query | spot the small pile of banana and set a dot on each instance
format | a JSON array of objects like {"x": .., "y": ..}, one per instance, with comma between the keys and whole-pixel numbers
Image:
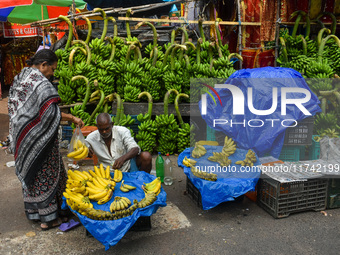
[
  {"x": 229, "y": 147},
  {"x": 188, "y": 162},
  {"x": 80, "y": 151},
  {"x": 249, "y": 160},
  {"x": 203, "y": 175},
  {"x": 125, "y": 187},
  {"x": 198, "y": 151},
  {"x": 331, "y": 133},
  {"x": 120, "y": 203},
  {"x": 101, "y": 172},
  {"x": 153, "y": 187},
  {"x": 221, "y": 158}
]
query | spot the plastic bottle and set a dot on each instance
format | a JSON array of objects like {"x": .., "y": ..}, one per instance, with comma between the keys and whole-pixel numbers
[
  {"x": 160, "y": 167},
  {"x": 168, "y": 174}
]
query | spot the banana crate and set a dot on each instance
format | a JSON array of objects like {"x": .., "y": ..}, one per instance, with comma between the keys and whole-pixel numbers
[
  {"x": 194, "y": 193},
  {"x": 301, "y": 134},
  {"x": 282, "y": 199}
]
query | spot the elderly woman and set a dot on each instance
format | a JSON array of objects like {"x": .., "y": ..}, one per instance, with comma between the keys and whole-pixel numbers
[{"x": 33, "y": 128}]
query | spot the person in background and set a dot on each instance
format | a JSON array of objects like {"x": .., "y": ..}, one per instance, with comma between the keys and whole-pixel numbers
[
  {"x": 33, "y": 131},
  {"x": 114, "y": 146}
]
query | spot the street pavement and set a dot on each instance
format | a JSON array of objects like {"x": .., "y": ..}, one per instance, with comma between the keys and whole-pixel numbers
[{"x": 179, "y": 228}]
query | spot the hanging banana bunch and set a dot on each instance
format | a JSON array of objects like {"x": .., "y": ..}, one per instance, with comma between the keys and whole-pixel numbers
[
  {"x": 123, "y": 120},
  {"x": 167, "y": 128},
  {"x": 147, "y": 129},
  {"x": 184, "y": 129}
]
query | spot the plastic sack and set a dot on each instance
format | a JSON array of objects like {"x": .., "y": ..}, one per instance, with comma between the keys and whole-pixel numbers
[
  {"x": 330, "y": 148},
  {"x": 78, "y": 149},
  {"x": 231, "y": 182},
  {"x": 110, "y": 232},
  {"x": 269, "y": 137}
]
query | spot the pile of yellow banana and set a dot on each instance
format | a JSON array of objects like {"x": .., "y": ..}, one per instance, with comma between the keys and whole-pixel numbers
[
  {"x": 153, "y": 187},
  {"x": 125, "y": 187},
  {"x": 229, "y": 147},
  {"x": 249, "y": 160},
  {"x": 203, "y": 175},
  {"x": 118, "y": 175},
  {"x": 198, "y": 151},
  {"x": 188, "y": 162},
  {"x": 149, "y": 198},
  {"x": 220, "y": 158},
  {"x": 80, "y": 151}
]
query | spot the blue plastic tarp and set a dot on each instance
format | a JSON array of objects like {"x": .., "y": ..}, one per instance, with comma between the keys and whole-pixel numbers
[
  {"x": 269, "y": 137},
  {"x": 110, "y": 232},
  {"x": 232, "y": 181}
]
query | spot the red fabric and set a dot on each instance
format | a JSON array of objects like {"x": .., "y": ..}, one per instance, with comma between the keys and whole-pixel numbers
[
  {"x": 252, "y": 14},
  {"x": 12, "y": 3}
]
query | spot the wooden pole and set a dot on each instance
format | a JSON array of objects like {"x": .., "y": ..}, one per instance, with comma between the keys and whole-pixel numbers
[
  {"x": 42, "y": 17},
  {"x": 277, "y": 31},
  {"x": 239, "y": 30}
]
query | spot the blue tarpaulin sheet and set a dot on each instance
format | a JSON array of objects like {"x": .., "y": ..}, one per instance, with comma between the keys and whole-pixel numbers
[
  {"x": 110, "y": 232},
  {"x": 269, "y": 137},
  {"x": 231, "y": 182}
]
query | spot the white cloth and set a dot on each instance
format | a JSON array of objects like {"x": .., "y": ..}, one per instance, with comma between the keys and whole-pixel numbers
[{"x": 122, "y": 142}]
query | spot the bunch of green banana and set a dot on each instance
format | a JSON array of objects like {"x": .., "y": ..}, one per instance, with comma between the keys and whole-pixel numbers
[
  {"x": 203, "y": 175},
  {"x": 249, "y": 160},
  {"x": 125, "y": 187},
  {"x": 66, "y": 89},
  {"x": 220, "y": 158},
  {"x": 198, "y": 151},
  {"x": 184, "y": 130},
  {"x": 167, "y": 129},
  {"x": 324, "y": 121}
]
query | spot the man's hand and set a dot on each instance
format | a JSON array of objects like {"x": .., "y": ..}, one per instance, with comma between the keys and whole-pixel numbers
[{"x": 119, "y": 162}]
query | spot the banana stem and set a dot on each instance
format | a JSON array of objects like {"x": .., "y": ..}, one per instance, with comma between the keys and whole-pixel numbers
[
  {"x": 320, "y": 34},
  {"x": 332, "y": 16},
  {"x": 296, "y": 24},
  {"x": 105, "y": 22},
  {"x": 128, "y": 55},
  {"x": 166, "y": 100},
  {"x": 284, "y": 49},
  {"x": 198, "y": 51},
  {"x": 167, "y": 52},
  {"x": 210, "y": 51},
  {"x": 182, "y": 47},
  {"x": 89, "y": 30},
  {"x": 115, "y": 28},
  {"x": 113, "y": 48},
  {"x": 89, "y": 55},
  {"x": 87, "y": 94},
  {"x": 153, "y": 30},
  {"x": 127, "y": 23},
  {"x": 73, "y": 51},
  {"x": 138, "y": 54},
  {"x": 173, "y": 36},
  {"x": 323, "y": 105},
  {"x": 179, "y": 116},
  {"x": 155, "y": 56},
  {"x": 235, "y": 55},
  {"x": 106, "y": 106},
  {"x": 200, "y": 26},
  {"x": 185, "y": 36},
  {"x": 70, "y": 30},
  {"x": 100, "y": 104},
  {"x": 304, "y": 46},
  {"x": 323, "y": 43},
  {"x": 150, "y": 104},
  {"x": 118, "y": 111},
  {"x": 218, "y": 34},
  {"x": 187, "y": 61}
]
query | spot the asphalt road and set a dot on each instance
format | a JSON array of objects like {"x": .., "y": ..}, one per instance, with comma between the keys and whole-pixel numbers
[{"x": 180, "y": 228}]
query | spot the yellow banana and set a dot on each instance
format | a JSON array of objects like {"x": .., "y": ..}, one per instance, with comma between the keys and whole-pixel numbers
[
  {"x": 89, "y": 176},
  {"x": 107, "y": 172},
  {"x": 93, "y": 186},
  {"x": 98, "y": 196},
  {"x": 82, "y": 155},
  {"x": 76, "y": 152},
  {"x": 96, "y": 170},
  {"x": 106, "y": 198},
  {"x": 102, "y": 171},
  {"x": 118, "y": 175},
  {"x": 97, "y": 183},
  {"x": 74, "y": 176}
]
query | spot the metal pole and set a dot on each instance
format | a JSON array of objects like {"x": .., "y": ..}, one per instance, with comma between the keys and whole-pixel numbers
[
  {"x": 277, "y": 30},
  {"x": 239, "y": 30}
]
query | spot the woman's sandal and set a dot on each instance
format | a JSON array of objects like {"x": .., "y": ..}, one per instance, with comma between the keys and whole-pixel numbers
[{"x": 53, "y": 223}]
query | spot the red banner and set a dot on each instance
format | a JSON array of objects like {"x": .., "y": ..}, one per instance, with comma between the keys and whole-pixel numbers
[{"x": 12, "y": 30}]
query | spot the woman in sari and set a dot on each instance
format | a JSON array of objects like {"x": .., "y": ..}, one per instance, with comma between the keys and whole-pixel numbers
[{"x": 33, "y": 128}]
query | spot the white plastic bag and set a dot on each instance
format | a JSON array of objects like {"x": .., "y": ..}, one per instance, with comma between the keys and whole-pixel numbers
[{"x": 78, "y": 149}]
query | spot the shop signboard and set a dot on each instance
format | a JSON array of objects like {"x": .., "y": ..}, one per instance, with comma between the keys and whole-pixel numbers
[{"x": 12, "y": 30}]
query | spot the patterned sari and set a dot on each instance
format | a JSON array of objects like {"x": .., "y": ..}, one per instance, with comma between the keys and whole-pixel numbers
[{"x": 34, "y": 121}]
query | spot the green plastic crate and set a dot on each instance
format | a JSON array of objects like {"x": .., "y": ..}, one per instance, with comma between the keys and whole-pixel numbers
[
  {"x": 210, "y": 134},
  {"x": 314, "y": 150},
  {"x": 291, "y": 153}
]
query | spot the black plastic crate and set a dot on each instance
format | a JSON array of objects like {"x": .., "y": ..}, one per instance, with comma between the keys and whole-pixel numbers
[
  {"x": 301, "y": 134},
  {"x": 142, "y": 224},
  {"x": 282, "y": 199},
  {"x": 194, "y": 193},
  {"x": 333, "y": 199}
]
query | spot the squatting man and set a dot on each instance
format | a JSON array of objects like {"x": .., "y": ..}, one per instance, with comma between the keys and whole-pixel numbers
[{"x": 114, "y": 146}]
